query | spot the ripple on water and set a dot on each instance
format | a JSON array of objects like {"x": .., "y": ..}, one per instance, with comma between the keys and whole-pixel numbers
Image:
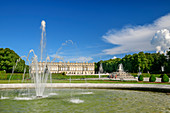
[
  {"x": 76, "y": 101},
  {"x": 53, "y": 94},
  {"x": 24, "y": 98},
  {"x": 86, "y": 93},
  {"x": 24, "y": 94},
  {"x": 71, "y": 100},
  {"x": 4, "y": 97}
]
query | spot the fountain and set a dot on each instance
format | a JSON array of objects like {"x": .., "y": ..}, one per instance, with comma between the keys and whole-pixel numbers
[
  {"x": 120, "y": 68},
  {"x": 139, "y": 73},
  {"x": 100, "y": 69},
  {"x": 38, "y": 73},
  {"x": 121, "y": 73}
]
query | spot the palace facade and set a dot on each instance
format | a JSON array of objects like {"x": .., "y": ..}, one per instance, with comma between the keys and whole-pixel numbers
[{"x": 67, "y": 67}]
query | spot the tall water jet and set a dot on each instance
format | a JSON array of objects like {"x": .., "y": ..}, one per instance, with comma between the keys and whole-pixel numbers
[
  {"x": 39, "y": 70},
  {"x": 40, "y": 75},
  {"x": 120, "y": 68},
  {"x": 43, "y": 34},
  {"x": 100, "y": 69}
]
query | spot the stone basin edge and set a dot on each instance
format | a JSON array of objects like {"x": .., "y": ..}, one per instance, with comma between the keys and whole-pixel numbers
[{"x": 142, "y": 87}]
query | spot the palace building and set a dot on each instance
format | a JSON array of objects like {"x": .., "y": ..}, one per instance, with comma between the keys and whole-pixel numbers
[{"x": 67, "y": 67}]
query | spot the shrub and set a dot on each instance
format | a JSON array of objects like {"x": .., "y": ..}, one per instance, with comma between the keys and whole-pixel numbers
[
  {"x": 152, "y": 78},
  {"x": 140, "y": 78},
  {"x": 63, "y": 73},
  {"x": 165, "y": 78}
]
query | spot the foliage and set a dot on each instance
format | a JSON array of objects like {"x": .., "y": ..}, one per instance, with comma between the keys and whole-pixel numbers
[
  {"x": 165, "y": 78},
  {"x": 148, "y": 62},
  {"x": 140, "y": 78},
  {"x": 63, "y": 73},
  {"x": 8, "y": 59},
  {"x": 152, "y": 78}
]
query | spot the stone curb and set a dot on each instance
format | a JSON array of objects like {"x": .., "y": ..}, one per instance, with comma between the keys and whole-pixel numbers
[{"x": 143, "y": 87}]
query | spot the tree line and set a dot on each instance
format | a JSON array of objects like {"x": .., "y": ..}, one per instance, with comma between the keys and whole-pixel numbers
[
  {"x": 147, "y": 62},
  {"x": 8, "y": 59}
]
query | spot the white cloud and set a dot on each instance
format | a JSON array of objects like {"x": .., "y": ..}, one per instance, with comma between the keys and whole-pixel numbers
[
  {"x": 114, "y": 57},
  {"x": 71, "y": 58},
  {"x": 135, "y": 38},
  {"x": 56, "y": 57},
  {"x": 80, "y": 59},
  {"x": 158, "y": 49},
  {"x": 161, "y": 40},
  {"x": 53, "y": 55}
]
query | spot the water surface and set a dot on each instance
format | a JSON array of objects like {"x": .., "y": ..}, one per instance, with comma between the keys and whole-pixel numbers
[{"x": 85, "y": 101}]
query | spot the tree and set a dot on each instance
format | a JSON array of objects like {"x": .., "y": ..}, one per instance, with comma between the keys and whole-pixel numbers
[
  {"x": 8, "y": 59},
  {"x": 151, "y": 62}
]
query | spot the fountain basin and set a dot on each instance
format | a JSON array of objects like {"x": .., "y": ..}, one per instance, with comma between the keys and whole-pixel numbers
[
  {"x": 144, "y": 87},
  {"x": 101, "y": 101}
]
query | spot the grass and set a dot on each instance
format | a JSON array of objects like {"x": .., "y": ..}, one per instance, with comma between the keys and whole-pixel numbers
[
  {"x": 59, "y": 78},
  {"x": 7, "y": 81},
  {"x": 19, "y": 76},
  {"x": 146, "y": 75},
  {"x": 15, "y": 76}
]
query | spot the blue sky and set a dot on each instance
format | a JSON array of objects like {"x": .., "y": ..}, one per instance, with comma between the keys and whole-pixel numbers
[{"x": 99, "y": 29}]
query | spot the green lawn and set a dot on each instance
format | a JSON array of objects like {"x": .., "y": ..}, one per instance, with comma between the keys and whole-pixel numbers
[
  {"x": 59, "y": 78},
  {"x": 145, "y": 75},
  {"x": 19, "y": 76}
]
